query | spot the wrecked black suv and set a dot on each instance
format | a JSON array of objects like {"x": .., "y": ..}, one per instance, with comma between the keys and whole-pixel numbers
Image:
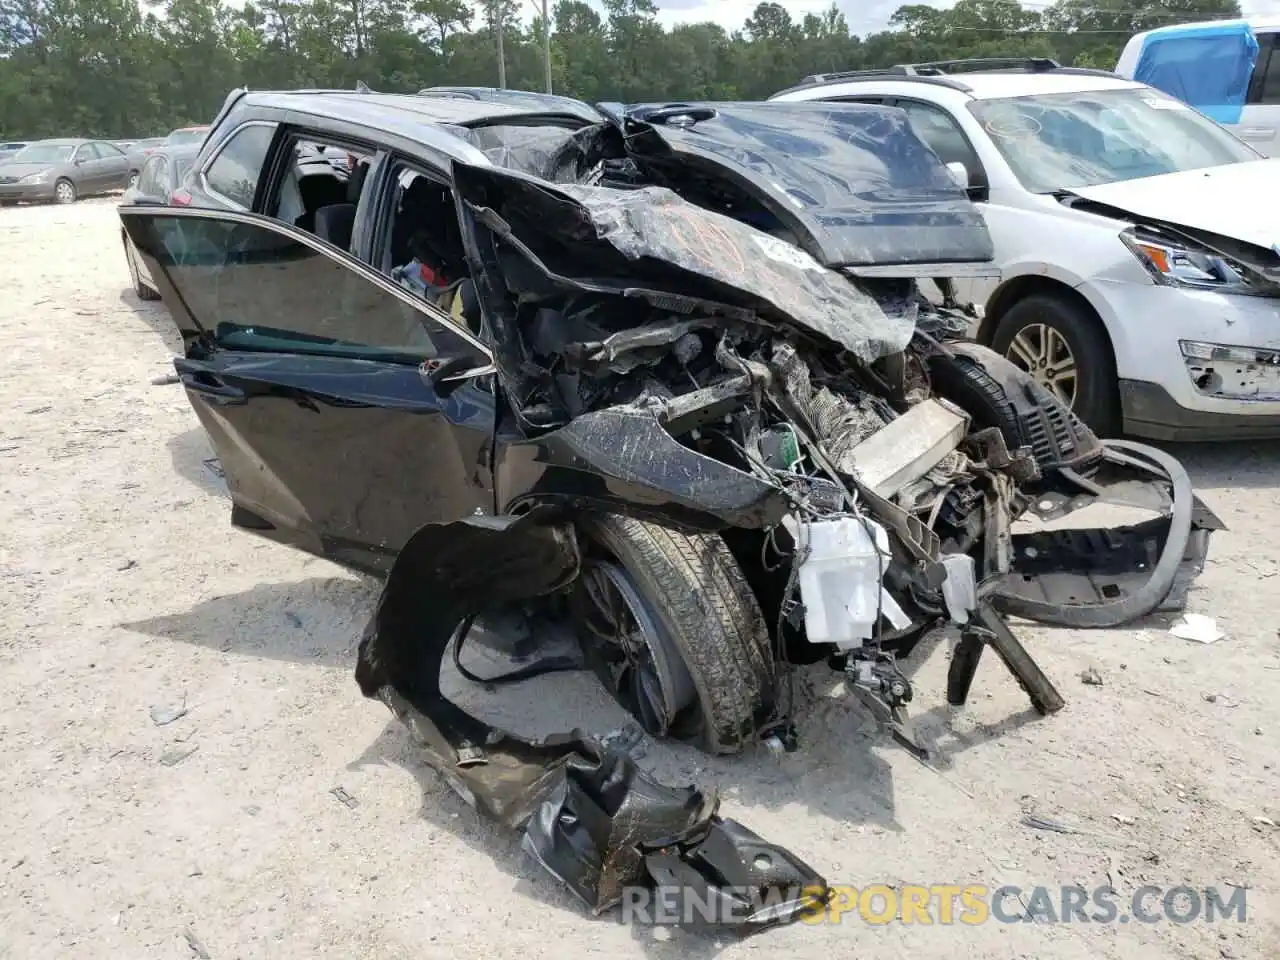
[{"x": 669, "y": 378}]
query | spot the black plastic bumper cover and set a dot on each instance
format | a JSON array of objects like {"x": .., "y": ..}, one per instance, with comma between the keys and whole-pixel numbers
[{"x": 589, "y": 815}]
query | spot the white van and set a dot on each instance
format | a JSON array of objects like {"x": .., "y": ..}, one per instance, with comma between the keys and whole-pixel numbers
[{"x": 1229, "y": 70}]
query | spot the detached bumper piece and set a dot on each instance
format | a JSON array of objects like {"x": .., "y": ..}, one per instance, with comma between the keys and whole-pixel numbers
[{"x": 589, "y": 815}]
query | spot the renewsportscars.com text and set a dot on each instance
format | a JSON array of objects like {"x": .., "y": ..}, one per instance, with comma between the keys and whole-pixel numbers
[{"x": 943, "y": 904}]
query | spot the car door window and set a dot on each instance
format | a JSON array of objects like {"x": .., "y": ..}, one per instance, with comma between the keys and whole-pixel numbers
[
  {"x": 108, "y": 151},
  {"x": 234, "y": 172},
  {"x": 154, "y": 177},
  {"x": 259, "y": 287},
  {"x": 937, "y": 129},
  {"x": 86, "y": 152}
]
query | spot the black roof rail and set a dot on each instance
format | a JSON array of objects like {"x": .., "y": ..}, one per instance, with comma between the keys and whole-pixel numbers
[
  {"x": 942, "y": 72},
  {"x": 885, "y": 73},
  {"x": 1012, "y": 64}
]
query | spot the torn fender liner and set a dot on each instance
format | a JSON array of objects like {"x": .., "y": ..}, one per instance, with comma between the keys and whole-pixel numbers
[{"x": 589, "y": 814}]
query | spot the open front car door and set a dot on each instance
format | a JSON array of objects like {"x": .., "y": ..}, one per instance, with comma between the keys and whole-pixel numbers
[{"x": 346, "y": 412}]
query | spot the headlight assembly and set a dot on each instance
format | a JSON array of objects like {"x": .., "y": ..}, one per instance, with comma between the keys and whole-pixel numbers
[{"x": 1183, "y": 265}]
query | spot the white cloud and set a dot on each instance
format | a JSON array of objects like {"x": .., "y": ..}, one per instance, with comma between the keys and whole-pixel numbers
[
  {"x": 731, "y": 14},
  {"x": 863, "y": 18}
]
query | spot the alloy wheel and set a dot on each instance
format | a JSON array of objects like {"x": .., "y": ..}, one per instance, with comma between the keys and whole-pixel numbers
[
  {"x": 64, "y": 192},
  {"x": 1043, "y": 352},
  {"x": 633, "y": 655}
]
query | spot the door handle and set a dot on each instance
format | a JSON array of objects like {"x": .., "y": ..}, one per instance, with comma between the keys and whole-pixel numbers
[{"x": 212, "y": 390}]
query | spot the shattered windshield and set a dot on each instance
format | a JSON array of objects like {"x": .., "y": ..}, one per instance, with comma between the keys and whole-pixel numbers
[{"x": 1084, "y": 139}]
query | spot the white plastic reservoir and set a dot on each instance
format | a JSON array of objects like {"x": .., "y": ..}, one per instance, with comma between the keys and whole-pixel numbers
[{"x": 840, "y": 578}]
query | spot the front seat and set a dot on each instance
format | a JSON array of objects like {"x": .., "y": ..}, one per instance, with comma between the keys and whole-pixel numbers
[{"x": 334, "y": 223}]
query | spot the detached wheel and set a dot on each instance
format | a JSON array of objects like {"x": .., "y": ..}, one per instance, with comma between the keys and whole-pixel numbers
[
  {"x": 64, "y": 191},
  {"x": 141, "y": 289},
  {"x": 1064, "y": 349},
  {"x": 672, "y": 629}
]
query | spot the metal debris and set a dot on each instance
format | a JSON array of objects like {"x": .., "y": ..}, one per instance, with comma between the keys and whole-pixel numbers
[
  {"x": 346, "y": 799},
  {"x": 1091, "y": 677},
  {"x": 1044, "y": 823}
]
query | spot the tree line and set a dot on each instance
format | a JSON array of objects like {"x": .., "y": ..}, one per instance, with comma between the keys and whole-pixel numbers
[{"x": 115, "y": 69}]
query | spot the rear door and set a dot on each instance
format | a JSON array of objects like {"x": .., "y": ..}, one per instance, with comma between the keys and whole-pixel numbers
[
  {"x": 114, "y": 166},
  {"x": 345, "y": 412},
  {"x": 1259, "y": 124}
]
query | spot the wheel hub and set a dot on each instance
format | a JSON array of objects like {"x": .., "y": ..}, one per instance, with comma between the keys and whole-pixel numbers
[
  {"x": 1043, "y": 352},
  {"x": 637, "y": 659}
]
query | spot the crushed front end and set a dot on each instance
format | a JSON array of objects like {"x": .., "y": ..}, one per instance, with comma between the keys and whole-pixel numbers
[{"x": 867, "y": 466}]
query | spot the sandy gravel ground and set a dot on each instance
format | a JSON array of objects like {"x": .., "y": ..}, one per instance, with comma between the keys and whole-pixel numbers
[{"x": 122, "y": 588}]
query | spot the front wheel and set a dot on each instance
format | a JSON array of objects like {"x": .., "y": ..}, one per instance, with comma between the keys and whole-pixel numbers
[
  {"x": 64, "y": 191},
  {"x": 672, "y": 629},
  {"x": 1065, "y": 349}
]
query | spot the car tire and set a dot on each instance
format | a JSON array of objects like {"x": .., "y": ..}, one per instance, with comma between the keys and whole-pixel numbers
[
  {"x": 695, "y": 594},
  {"x": 141, "y": 289},
  {"x": 133, "y": 179},
  {"x": 64, "y": 191},
  {"x": 1072, "y": 335}
]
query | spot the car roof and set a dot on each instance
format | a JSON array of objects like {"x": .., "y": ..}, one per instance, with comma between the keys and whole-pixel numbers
[
  {"x": 995, "y": 85},
  {"x": 393, "y": 112},
  {"x": 61, "y": 141},
  {"x": 177, "y": 150}
]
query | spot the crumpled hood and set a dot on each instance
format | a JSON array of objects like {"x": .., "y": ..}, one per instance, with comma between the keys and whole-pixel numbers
[
  {"x": 852, "y": 182},
  {"x": 1237, "y": 200},
  {"x": 651, "y": 244}
]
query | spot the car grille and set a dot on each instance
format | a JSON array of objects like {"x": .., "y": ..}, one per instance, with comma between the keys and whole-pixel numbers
[{"x": 8, "y": 179}]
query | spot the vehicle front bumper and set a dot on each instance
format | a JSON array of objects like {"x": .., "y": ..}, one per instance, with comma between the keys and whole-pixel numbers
[
  {"x": 26, "y": 191},
  {"x": 1168, "y": 395}
]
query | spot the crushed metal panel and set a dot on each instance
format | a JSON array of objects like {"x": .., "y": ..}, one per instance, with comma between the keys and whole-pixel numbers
[
  {"x": 651, "y": 244},
  {"x": 853, "y": 182},
  {"x": 588, "y": 813}
]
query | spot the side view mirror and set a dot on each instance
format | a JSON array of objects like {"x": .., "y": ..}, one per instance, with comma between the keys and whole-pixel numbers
[
  {"x": 959, "y": 173},
  {"x": 79, "y": 160}
]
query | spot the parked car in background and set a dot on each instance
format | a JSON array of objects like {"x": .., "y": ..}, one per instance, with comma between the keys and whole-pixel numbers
[
  {"x": 63, "y": 171},
  {"x": 9, "y": 148},
  {"x": 1229, "y": 70},
  {"x": 1134, "y": 237},
  {"x": 184, "y": 135},
  {"x": 157, "y": 184},
  {"x": 125, "y": 145},
  {"x": 139, "y": 152},
  {"x": 528, "y": 99}
]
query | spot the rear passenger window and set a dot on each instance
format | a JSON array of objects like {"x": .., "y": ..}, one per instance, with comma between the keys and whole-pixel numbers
[
  {"x": 234, "y": 173},
  {"x": 1264, "y": 86}
]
